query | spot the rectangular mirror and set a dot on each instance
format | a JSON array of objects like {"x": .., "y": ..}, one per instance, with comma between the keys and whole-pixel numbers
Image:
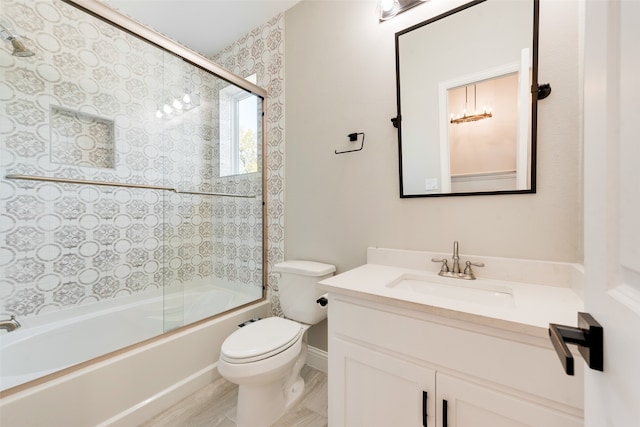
[{"x": 467, "y": 101}]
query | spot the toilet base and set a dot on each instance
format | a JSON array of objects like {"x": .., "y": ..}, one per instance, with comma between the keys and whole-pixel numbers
[
  {"x": 295, "y": 392},
  {"x": 254, "y": 410},
  {"x": 260, "y": 405}
]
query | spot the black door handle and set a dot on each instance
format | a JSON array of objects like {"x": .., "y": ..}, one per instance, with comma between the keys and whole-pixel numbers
[
  {"x": 445, "y": 413},
  {"x": 424, "y": 408},
  {"x": 588, "y": 337}
]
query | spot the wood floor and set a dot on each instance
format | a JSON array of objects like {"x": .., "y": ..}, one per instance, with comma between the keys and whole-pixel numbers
[{"x": 215, "y": 406}]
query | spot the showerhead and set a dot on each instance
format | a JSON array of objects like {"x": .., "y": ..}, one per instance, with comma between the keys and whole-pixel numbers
[{"x": 19, "y": 49}]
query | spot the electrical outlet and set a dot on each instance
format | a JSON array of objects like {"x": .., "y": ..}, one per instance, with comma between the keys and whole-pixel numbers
[{"x": 431, "y": 184}]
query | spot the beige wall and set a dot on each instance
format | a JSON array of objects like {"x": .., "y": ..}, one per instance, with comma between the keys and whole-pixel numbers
[{"x": 340, "y": 78}]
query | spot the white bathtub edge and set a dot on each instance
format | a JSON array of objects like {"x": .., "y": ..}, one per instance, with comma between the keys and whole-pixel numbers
[
  {"x": 147, "y": 409},
  {"x": 154, "y": 405},
  {"x": 131, "y": 387}
]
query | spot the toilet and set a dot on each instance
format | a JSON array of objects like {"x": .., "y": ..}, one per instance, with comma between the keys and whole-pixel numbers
[{"x": 265, "y": 357}]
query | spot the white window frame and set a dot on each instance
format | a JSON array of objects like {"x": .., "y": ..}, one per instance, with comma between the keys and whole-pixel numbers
[{"x": 230, "y": 99}]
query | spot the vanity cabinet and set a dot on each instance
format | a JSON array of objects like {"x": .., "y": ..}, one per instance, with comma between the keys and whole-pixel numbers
[
  {"x": 397, "y": 366},
  {"x": 463, "y": 403},
  {"x": 379, "y": 389}
]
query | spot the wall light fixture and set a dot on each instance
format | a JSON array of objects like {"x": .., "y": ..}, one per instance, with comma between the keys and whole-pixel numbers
[{"x": 391, "y": 8}]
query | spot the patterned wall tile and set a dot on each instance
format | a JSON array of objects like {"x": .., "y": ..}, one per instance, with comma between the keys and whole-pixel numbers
[
  {"x": 261, "y": 52},
  {"x": 85, "y": 107}
]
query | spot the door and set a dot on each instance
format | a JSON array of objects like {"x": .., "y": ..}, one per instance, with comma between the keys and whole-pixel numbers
[
  {"x": 379, "y": 390},
  {"x": 463, "y": 404},
  {"x": 612, "y": 208}
]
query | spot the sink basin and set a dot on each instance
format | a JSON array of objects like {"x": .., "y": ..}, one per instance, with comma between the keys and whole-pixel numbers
[{"x": 474, "y": 291}]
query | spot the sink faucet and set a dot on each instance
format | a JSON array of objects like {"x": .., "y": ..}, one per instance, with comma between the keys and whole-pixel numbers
[
  {"x": 456, "y": 258},
  {"x": 10, "y": 325},
  {"x": 455, "y": 270}
]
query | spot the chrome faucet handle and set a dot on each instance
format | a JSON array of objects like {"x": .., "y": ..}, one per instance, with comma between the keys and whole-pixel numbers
[
  {"x": 445, "y": 265},
  {"x": 13, "y": 318},
  {"x": 10, "y": 325},
  {"x": 468, "y": 264}
]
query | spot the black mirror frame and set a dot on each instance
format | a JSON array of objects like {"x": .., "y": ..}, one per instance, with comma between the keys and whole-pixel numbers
[{"x": 537, "y": 92}]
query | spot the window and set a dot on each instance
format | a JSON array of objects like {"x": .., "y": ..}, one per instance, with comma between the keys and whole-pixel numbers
[{"x": 239, "y": 118}]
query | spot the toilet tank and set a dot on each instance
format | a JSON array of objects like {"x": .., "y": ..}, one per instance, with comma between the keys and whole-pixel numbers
[{"x": 299, "y": 290}]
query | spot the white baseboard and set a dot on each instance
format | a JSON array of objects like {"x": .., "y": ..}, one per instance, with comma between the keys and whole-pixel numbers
[{"x": 317, "y": 359}]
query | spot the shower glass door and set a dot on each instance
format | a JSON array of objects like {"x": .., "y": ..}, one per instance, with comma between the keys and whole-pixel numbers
[
  {"x": 211, "y": 141},
  {"x": 119, "y": 219}
]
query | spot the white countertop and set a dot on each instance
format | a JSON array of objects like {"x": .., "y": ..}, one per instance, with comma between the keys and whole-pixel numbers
[{"x": 535, "y": 305}]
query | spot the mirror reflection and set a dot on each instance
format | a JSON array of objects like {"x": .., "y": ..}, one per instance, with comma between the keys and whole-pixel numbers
[{"x": 467, "y": 114}]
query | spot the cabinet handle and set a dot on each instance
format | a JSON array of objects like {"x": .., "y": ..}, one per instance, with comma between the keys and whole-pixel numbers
[
  {"x": 445, "y": 421},
  {"x": 588, "y": 337},
  {"x": 424, "y": 408}
]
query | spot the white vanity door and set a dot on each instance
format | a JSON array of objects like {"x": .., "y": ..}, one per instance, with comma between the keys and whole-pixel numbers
[
  {"x": 612, "y": 208},
  {"x": 378, "y": 390},
  {"x": 473, "y": 405}
]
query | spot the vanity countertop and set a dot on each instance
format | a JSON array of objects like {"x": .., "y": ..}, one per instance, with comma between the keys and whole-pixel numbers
[{"x": 534, "y": 305}]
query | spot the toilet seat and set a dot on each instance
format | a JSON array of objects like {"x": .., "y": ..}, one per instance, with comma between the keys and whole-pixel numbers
[{"x": 260, "y": 340}]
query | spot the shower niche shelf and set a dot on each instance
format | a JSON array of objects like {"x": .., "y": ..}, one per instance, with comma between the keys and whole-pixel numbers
[{"x": 81, "y": 139}]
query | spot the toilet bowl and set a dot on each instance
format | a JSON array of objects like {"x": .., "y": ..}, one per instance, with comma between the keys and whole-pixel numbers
[
  {"x": 268, "y": 376},
  {"x": 265, "y": 357}
]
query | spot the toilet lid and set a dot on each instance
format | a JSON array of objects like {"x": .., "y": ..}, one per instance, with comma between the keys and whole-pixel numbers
[{"x": 261, "y": 339}]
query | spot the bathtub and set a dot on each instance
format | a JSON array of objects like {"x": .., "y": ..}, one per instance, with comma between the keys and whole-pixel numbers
[
  {"x": 129, "y": 386},
  {"x": 55, "y": 341}
]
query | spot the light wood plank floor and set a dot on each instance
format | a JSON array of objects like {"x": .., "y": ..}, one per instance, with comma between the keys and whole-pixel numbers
[{"x": 215, "y": 406}]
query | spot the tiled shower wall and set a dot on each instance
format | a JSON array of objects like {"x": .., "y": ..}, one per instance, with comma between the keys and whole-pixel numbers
[
  {"x": 261, "y": 52},
  {"x": 84, "y": 107}
]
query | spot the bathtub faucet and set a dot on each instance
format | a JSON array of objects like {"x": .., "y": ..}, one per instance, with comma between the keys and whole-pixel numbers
[{"x": 10, "y": 325}]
